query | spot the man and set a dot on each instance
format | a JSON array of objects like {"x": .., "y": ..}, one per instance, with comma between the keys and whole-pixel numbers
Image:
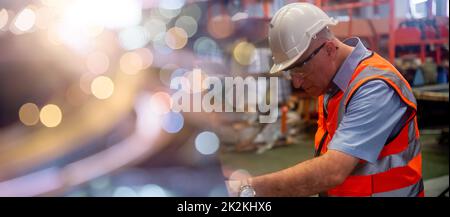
[{"x": 367, "y": 138}]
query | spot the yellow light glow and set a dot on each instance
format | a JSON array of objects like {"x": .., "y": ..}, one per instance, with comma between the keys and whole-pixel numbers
[
  {"x": 29, "y": 114},
  {"x": 51, "y": 115},
  {"x": 25, "y": 20},
  {"x": 243, "y": 53},
  {"x": 131, "y": 63},
  {"x": 102, "y": 87},
  {"x": 3, "y": 18}
]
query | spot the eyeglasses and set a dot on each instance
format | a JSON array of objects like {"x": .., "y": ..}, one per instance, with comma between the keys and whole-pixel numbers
[{"x": 304, "y": 62}]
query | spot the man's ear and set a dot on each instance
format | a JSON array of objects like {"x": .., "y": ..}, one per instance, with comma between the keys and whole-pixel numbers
[{"x": 331, "y": 49}]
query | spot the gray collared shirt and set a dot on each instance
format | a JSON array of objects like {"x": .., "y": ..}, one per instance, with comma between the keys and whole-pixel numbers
[{"x": 373, "y": 114}]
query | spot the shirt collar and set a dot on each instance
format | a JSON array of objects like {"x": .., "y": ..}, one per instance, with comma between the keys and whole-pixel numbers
[{"x": 345, "y": 72}]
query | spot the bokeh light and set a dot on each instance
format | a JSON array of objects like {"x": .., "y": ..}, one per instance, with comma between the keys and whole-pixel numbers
[
  {"x": 29, "y": 114},
  {"x": 146, "y": 57},
  {"x": 148, "y": 123},
  {"x": 111, "y": 39},
  {"x": 124, "y": 191},
  {"x": 220, "y": 26},
  {"x": 79, "y": 21},
  {"x": 51, "y": 115},
  {"x": 207, "y": 143},
  {"x": 152, "y": 190},
  {"x": 134, "y": 37},
  {"x": 159, "y": 44},
  {"x": 115, "y": 14},
  {"x": 169, "y": 13},
  {"x": 188, "y": 24},
  {"x": 172, "y": 4},
  {"x": 172, "y": 122},
  {"x": 154, "y": 27},
  {"x": 25, "y": 20},
  {"x": 162, "y": 103},
  {"x": 155, "y": 13},
  {"x": 102, "y": 87},
  {"x": 97, "y": 62},
  {"x": 205, "y": 46},
  {"x": 243, "y": 53},
  {"x": 100, "y": 183},
  {"x": 3, "y": 18},
  {"x": 131, "y": 63},
  {"x": 73, "y": 34},
  {"x": 192, "y": 10},
  {"x": 176, "y": 38}
]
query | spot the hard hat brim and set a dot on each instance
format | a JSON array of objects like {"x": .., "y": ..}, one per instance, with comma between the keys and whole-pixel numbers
[{"x": 284, "y": 65}]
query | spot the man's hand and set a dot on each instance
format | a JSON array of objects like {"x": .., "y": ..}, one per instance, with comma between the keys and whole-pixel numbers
[
  {"x": 233, "y": 187},
  {"x": 236, "y": 180},
  {"x": 307, "y": 178}
]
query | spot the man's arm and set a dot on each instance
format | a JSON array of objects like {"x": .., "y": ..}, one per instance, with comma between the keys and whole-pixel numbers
[
  {"x": 306, "y": 178},
  {"x": 373, "y": 114}
]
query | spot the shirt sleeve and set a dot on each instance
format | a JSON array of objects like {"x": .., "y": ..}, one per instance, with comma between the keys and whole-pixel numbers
[{"x": 371, "y": 115}]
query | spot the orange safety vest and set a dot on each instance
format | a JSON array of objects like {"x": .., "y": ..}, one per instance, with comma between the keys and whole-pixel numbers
[{"x": 398, "y": 170}]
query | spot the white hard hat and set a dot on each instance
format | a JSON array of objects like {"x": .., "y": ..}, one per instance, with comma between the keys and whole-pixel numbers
[{"x": 291, "y": 30}]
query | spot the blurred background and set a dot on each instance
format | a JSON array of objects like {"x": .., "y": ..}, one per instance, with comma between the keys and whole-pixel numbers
[{"x": 85, "y": 98}]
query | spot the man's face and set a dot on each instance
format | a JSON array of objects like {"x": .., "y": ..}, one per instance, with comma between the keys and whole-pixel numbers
[{"x": 314, "y": 71}]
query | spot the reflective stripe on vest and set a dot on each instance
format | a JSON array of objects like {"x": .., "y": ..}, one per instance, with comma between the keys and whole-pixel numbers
[
  {"x": 415, "y": 190},
  {"x": 391, "y": 161},
  {"x": 398, "y": 170},
  {"x": 372, "y": 73}
]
